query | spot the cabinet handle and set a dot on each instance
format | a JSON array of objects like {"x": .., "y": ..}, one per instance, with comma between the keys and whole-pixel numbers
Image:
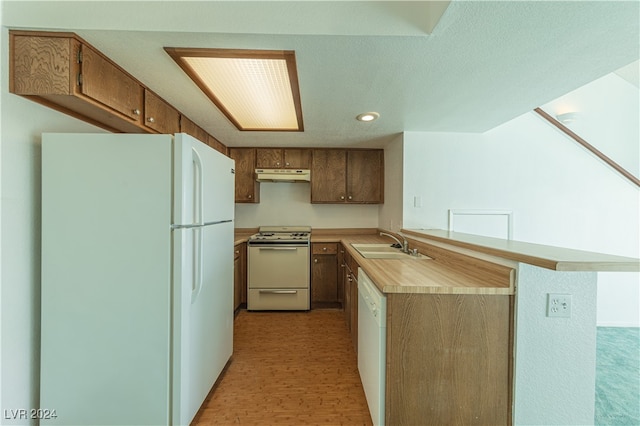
[
  {"x": 151, "y": 119},
  {"x": 278, "y": 163},
  {"x": 342, "y": 197},
  {"x": 350, "y": 197},
  {"x": 315, "y": 260},
  {"x": 249, "y": 196},
  {"x": 136, "y": 112},
  {"x": 287, "y": 164},
  {"x": 324, "y": 249}
]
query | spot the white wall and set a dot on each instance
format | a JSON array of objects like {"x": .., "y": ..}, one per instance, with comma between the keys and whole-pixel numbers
[
  {"x": 289, "y": 204},
  {"x": 555, "y": 358},
  {"x": 611, "y": 103},
  {"x": 559, "y": 193},
  {"x": 2, "y": 41},
  {"x": 22, "y": 123},
  {"x": 390, "y": 216}
]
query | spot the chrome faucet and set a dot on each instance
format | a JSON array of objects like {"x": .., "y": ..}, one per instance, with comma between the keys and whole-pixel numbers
[{"x": 404, "y": 244}]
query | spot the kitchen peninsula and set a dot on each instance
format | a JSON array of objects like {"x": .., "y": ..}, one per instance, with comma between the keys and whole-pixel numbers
[{"x": 466, "y": 327}]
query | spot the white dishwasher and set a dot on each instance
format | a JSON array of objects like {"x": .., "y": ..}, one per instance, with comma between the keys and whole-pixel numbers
[{"x": 372, "y": 344}]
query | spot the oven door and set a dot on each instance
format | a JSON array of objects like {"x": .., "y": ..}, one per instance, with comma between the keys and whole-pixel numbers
[
  {"x": 278, "y": 266},
  {"x": 278, "y": 277}
]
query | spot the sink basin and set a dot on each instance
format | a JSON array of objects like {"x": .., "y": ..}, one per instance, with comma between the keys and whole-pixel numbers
[{"x": 383, "y": 251}]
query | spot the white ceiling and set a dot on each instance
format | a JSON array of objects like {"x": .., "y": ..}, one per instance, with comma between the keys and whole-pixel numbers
[{"x": 484, "y": 63}]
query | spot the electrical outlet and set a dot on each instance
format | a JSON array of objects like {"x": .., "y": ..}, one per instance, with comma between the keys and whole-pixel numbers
[{"x": 559, "y": 305}]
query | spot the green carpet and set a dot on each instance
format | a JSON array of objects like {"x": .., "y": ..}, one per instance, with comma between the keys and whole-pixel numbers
[{"x": 617, "y": 376}]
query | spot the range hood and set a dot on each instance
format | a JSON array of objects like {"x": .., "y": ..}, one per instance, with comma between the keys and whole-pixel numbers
[{"x": 282, "y": 175}]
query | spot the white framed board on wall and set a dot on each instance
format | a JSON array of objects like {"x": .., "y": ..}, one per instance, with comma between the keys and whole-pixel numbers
[{"x": 489, "y": 223}]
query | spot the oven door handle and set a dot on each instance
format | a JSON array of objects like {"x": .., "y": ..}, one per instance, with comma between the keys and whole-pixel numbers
[
  {"x": 278, "y": 248},
  {"x": 278, "y": 291}
]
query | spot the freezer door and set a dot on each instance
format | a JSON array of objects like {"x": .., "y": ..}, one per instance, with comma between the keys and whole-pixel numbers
[
  {"x": 204, "y": 183},
  {"x": 106, "y": 278},
  {"x": 204, "y": 316}
]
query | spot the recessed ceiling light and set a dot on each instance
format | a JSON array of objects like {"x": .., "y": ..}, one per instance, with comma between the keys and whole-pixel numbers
[
  {"x": 255, "y": 89},
  {"x": 567, "y": 117},
  {"x": 368, "y": 116}
]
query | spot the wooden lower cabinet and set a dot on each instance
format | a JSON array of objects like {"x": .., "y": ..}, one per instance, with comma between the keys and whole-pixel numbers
[
  {"x": 449, "y": 359},
  {"x": 350, "y": 296},
  {"x": 324, "y": 275},
  {"x": 239, "y": 275}
]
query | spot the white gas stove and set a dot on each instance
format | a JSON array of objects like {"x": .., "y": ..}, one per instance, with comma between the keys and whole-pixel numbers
[
  {"x": 279, "y": 268},
  {"x": 289, "y": 235}
]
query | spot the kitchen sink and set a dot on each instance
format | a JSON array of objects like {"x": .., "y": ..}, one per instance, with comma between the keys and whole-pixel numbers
[{"x": 384, "y": 251}]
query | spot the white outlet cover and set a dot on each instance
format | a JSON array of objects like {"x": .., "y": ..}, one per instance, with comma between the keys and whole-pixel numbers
[{"x": 559, "y": 305}]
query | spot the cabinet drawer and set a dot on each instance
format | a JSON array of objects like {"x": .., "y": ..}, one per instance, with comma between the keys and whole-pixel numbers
[
  {"x": 324, "y": 248},
  {"x": 278, "y": 299}
]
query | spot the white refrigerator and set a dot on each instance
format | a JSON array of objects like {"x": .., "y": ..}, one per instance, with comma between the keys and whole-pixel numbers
[{"x": 137, "y": 277}]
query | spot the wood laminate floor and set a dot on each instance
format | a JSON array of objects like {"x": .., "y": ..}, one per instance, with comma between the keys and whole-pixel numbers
[{"x": 289, "y": 368}]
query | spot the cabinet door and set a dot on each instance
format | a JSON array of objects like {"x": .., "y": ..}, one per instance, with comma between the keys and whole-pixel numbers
[
  {"x": 189, "y": 127},
  {"x": 43, "y": 65},
  {"x": 270, "y": 158},
  {"x": 297, "y": 158},
  {"x": 324, "y": 275},
  {"x": 324, "y": 280},
  {"x": 247, "y": 189},
  {"x": 341, "y": 269},
  {"x": 240, "y": 275},
  {"x": 328, "y": 179},
  {"x": 365, "y": 176},
  {"x": 237, "y": 279},
  {"x": 159, "y": 115},
  {"x": 106, "y": 83},
  {"x": 348, "y": 281},
  {"x": 354, "y": 311}
]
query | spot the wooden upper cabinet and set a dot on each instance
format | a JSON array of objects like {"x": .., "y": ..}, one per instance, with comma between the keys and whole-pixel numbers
[
  {"x": 328, "y": 177},
  {"x": 43, "y": 65},
  {"x": 295, "y": 158},
  {"x": 365, "y": 176},
  {"x": 217, "y": 145},
  {"x": 102, "y": 80},
  {"x": 62, "y": 71},
  {"x": 283, "y": 158},
  {"x": 189, "y": 127},
  {"x": 159, "y": 115},
  {"x": 247, "y": 189},
  {"x": 347, "y": 176}
]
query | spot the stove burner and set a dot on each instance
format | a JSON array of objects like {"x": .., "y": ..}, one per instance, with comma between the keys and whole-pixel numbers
[{"x": 281, "y": 235}]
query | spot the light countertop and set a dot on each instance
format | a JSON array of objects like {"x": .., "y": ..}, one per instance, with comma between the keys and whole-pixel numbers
[
  {"x": 555, "y": 258},
  {"x": 423, "y": 275}
]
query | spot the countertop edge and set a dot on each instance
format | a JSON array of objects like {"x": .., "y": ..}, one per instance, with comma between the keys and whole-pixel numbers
[{"x": 549, "y": 257}]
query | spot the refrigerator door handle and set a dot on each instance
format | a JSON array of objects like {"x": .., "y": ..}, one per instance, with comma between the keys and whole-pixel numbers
[
  {"x": 198, "y": 264},
  {"x": 198, "y": 188}
]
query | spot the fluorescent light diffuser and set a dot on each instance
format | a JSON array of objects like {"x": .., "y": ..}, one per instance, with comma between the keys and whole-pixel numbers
[{"x": 255, "y": 89}]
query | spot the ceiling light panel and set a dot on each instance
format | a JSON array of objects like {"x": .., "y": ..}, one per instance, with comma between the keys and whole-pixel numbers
[{"x": 256, "y": 90}]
